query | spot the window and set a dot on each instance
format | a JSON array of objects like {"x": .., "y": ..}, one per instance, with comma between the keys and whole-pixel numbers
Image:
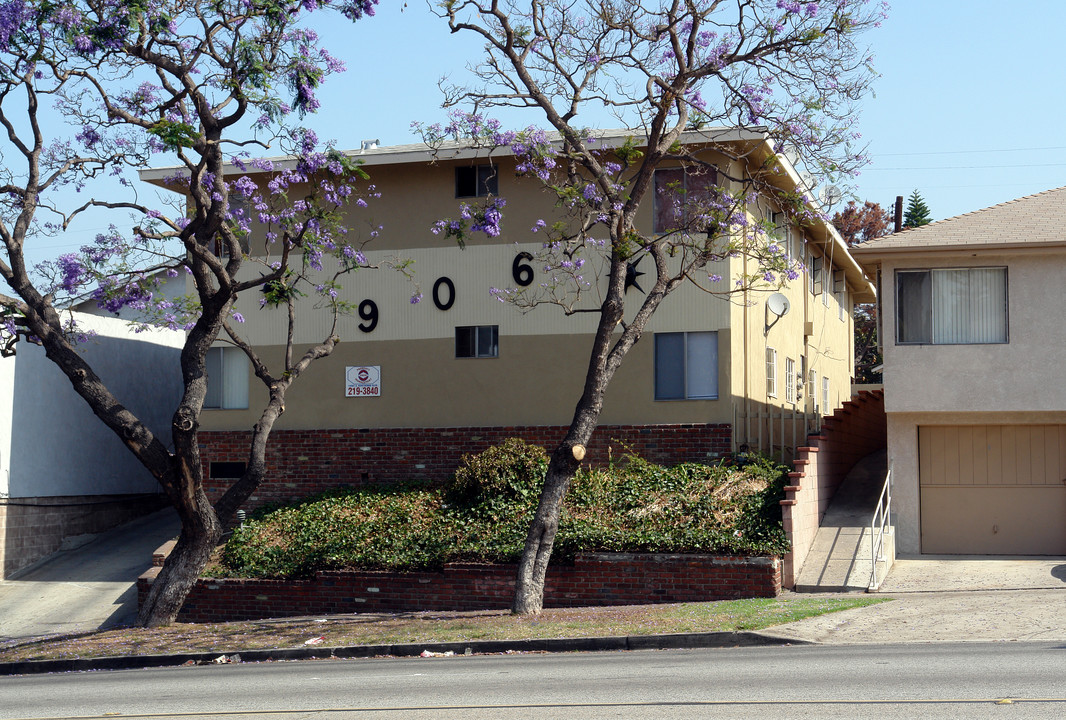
[
  {"x": 790, "y": 380},
  {"x": 792, "y": 246},
  {"x": 840, "y": 291},
  {"x": 674, "y": 187},
  {"x": 686, "y": 366},
  {"x": 825, "y": 395},
  {"x": 812, "y": 383},
  {"x": 961, "y": 306},
  {"x": 222, "y": 249},
  {"x": 477, "y": 341},
  {"x": 771, "y": 372},
  {"x": 227, "y": 379},
  {"x": 786, "y": 237},
  {"x": 827, "y": 280},
  {"x": 476, "y": 181},
  {"x": 814, "y": 275}
]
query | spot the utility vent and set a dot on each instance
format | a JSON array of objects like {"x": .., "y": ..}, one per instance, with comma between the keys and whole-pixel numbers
[
  {"x": 370, "y": 144},
  {"x": 228, "y": 470}
]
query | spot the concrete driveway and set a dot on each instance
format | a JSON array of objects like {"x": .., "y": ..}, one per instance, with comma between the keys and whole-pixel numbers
[
  {"x": 86, "y": 588},
  {"x": 952, "y": 598},
  {"x": 966, "y": 573}
]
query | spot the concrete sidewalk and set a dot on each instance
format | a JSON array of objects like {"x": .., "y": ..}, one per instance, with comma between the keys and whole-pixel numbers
[
  {"x": 952, "y": 598},
  {"x": 89, "y": 587},
  {"x": 935, "y": 598}
]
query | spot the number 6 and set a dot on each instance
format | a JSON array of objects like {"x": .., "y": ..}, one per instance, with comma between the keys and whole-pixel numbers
[{"x": 521, "y": 272}]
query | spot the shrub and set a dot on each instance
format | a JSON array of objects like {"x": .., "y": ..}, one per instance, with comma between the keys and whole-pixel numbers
[
  {"x": 502, "y": 480},
  {"x": 374, "y": 529},
  {"x": 484, "y": 516}
]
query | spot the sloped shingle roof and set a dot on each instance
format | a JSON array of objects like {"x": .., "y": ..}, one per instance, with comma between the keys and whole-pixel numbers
[{"x": 1030, "y": 221}]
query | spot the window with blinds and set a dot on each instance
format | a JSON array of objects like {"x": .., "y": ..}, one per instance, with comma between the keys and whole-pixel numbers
[
  {"x": 956, "y": 306},
  {"x": 227, "y": 378}
]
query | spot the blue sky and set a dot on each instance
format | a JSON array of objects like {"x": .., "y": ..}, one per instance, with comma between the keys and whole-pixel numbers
[{"x": 969, "y": 109}]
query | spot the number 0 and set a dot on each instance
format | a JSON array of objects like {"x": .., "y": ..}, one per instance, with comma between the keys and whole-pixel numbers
[{"x": 446, "y": 282}]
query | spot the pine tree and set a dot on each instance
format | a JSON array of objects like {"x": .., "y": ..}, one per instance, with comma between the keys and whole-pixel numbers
[{"x": 917, "y": 212}]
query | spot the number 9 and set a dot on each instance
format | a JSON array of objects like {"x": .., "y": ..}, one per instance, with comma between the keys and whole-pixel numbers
[{"x": 368, "y": 310}]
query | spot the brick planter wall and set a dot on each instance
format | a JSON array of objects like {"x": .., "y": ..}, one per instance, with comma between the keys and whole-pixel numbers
[
  {"x": 302, "y": 462},
  {"x": 594, "y": 579}
]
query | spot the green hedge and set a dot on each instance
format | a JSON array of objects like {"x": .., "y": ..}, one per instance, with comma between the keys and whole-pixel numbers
[{"x": 484, "y": 514}]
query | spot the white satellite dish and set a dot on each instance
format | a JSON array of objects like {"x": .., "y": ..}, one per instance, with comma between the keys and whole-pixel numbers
[
  {"x": 778, "y": 304},
  {"x": 831, "y": 195}
]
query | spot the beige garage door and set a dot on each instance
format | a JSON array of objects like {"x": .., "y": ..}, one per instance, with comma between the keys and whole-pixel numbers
[{"x": 993, "y": 489}]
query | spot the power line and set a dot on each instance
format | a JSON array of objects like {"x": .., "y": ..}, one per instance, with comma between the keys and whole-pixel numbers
[
  {"x": 968, "y": 152},
  {"x": 966, "y": 167}
]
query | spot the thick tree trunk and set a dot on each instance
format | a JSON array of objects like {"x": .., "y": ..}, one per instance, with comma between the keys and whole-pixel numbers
[
  {"x": 200, "y": 533},
  {"x": 533, "y": 567},
  {"x": 606, "y": 357}
]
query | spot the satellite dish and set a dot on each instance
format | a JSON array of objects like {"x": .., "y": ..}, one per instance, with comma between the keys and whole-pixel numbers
[
  {"x": 831, "y": 195},
  {"x": 777, "y": 304}
]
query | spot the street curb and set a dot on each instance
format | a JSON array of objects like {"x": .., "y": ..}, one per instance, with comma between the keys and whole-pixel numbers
[{"x": 596, "y": 644}]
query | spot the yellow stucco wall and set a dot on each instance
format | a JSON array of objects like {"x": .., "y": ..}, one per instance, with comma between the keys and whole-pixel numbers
[{"x": 543, "y": 353}]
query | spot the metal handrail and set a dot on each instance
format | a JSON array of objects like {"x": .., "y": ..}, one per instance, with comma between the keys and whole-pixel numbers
[{"x": 878, "y": 527}]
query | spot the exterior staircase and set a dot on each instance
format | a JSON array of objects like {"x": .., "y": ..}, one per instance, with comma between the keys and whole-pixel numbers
[{"x": 839, "y": 559}]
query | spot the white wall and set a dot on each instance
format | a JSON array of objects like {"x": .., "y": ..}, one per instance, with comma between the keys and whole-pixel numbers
[
  {"x": 7, "y": 383},
  {"x": 51, "y": 444}
]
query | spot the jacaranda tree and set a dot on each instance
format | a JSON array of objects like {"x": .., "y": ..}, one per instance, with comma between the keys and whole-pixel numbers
[
  {"x": 203, "y": 86},
  {"x": 786, "y": 72}
]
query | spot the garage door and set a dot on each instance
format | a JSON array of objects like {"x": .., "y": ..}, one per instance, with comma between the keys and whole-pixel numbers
[{"x": 993, "y": 489}]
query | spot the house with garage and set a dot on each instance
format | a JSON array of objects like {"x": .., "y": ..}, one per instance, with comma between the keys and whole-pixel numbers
[
  {"x": 973, "y": 390},
  {"x": 412, "y": 387}
]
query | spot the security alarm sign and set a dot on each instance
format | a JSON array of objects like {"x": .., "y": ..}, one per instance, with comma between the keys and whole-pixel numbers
[{"x": 362, "y": 381}]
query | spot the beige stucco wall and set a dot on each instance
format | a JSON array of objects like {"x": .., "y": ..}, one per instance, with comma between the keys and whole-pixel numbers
[
  {"x": 1009, "y": 383},
  {"x": 425, "y": 385},
  {"x": 1017, "y": 375},
  {"x": 473, "y": 272},
  {"x": 404, "y": 199},
  {"x": 811, "y": 329},
  {"x": 536, "y": 380}
]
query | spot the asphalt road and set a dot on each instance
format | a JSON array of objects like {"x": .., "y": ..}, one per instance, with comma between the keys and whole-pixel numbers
[{"x": 888, "y": 681}]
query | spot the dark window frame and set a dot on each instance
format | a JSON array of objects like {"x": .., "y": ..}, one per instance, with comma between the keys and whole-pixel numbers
[
  {"x": 477, "y": 181},
  {"x": 477, "y": 341}
]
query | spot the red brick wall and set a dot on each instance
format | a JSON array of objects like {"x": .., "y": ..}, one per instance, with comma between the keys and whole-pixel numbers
[
  {"x": 853, "y": 432},
  {"x": 594, "y": 579},
  {"x": 302, "y": 462}
]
